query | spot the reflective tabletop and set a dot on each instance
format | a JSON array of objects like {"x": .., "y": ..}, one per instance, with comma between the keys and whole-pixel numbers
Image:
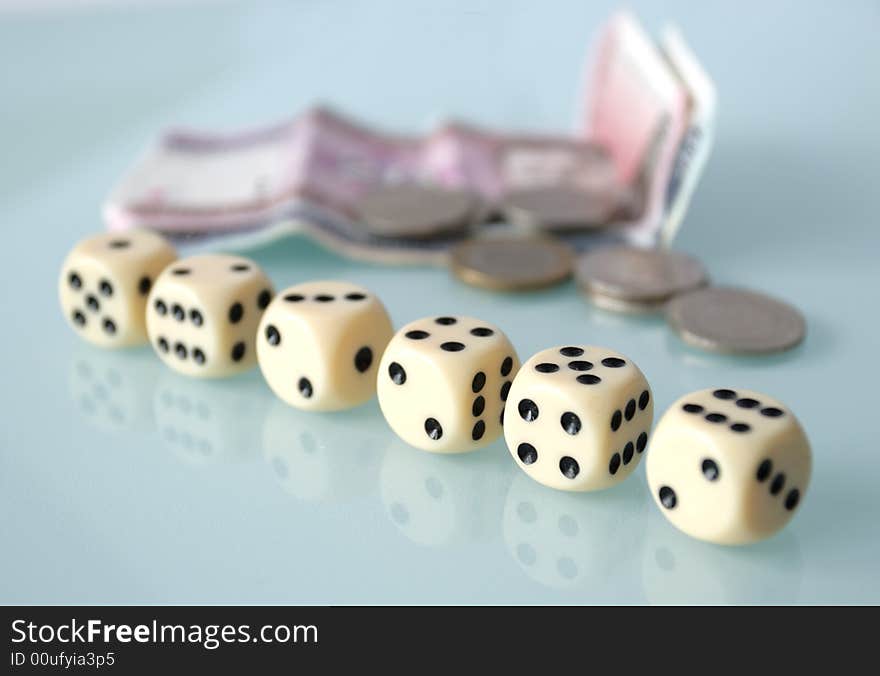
[{"x": 123, "y": 482}]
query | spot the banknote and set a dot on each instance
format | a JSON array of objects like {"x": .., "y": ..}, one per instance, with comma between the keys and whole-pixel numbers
[
  {"x": 191, "y": 177},
  {"x": 193, "y": 181},
  {"x": 307, "y": 175},
  {"x": 499, "y": 162},
  {"x": 696, "y": 144},
  {"x": 637, "y": 112}
]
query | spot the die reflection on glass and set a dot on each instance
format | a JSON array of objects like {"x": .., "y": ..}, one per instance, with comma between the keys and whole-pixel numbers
[
  {"x": 566, "y": 540},
  {"x": 439, "y": 500},
  {"x": 323, "y": 457},
  {"x": 112, "y": 390},
  {"x": 678, "y": 569},
  {"x": 208, "y": 421}
]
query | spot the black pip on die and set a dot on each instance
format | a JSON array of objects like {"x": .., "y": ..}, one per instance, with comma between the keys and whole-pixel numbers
[
  {"x": 578, "y": 417},
  {"x": 442, "y": 383},
  {"x": 319, "y": 344},
  {"x": 728, "y": 466},
  {"x": 104, "y": 284},
  {"x": 203, "y": 312}
]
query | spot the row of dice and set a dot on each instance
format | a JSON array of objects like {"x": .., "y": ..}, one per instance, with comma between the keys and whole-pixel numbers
[{"x": 725, "y": 466}]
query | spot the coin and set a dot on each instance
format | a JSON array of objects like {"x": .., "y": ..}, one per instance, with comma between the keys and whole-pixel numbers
[
  {"x": 735, "y": 321},
  {"x": 625, "y": 306},
  {"x": 512, "y": 264},
  {"x": 559, "y": 207},
  {"x": 638, "y": 278},
  {"x": 410, "y": 210}
]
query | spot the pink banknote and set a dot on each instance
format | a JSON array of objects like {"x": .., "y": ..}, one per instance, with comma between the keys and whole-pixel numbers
[
  {"x": 194, "y": 181},
  {"x": 637, "y": 112}
]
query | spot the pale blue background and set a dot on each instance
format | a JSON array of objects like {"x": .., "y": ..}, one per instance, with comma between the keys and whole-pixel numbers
[{"x": 288, "y": 507}]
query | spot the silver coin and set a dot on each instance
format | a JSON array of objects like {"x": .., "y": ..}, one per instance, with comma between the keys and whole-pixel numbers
[
  {"x": 511, "y": 264},
  {"x": 409, "y": 210},
  {"x": 625, "y": 306},
  {"x": 559, "y": 207},
  {"x": 735, "y": 321},
  {"x": 639, "y": 277}
]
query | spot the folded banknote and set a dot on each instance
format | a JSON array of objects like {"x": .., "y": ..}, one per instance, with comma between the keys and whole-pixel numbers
[{"x": 694, "y": 148}]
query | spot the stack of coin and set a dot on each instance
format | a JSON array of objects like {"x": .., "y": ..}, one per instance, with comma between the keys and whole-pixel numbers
[
  {"x": 415, "y": 211},
  {"x": 719, "y": 319},
  {"x": 629, "y": 279},
  {"x": 512, "y": 264},
  {"x": 559, "y": 208}
]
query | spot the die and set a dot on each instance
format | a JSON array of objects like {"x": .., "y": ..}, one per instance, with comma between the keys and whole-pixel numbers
[
  {"x": 319, "y": 343},
  {"x": 578, "y": 417},
  {"x": 203, "y": 313},
  {"x": 728, "y": 466},
  {"x": 443, "y": 381},
  {"x": 104, "y": 284}
]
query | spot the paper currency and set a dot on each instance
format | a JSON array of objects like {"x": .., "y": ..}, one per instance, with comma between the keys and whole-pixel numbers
[
  {"x": 311, "y": 174},
  {"x": 197, "y": 182},
  {"x": 696, "y": 144},
  {"x": 637, "y": 112}
]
